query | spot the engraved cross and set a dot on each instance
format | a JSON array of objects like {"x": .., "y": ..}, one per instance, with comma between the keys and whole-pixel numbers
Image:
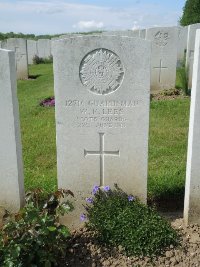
[
  {"x": 101, "y": 153},
  {"x": 160, "y": 70}
]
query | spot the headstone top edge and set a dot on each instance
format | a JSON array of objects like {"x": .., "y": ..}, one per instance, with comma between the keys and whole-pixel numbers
[
  {"x": 103, "y": 37},
  {"x": 165, "y": 27},
  {"x": 7, "y": 50}
]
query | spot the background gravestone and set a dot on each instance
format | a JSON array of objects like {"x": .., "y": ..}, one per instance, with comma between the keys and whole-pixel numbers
[
  {"x": 163, "y": 57},
  {"x": 32, "y": 50},
  {"x": 102, "y": 90},
  {"x": 3, "y": 44},
  {"x": 19, "y": 46},
  {"x": 44, "y": 48},
  {"x": 143, "y": 33},
  {"x": 128, "y": 33},
  {"x": 192, "y": 190},
  {"x": 11, "y": 168},
  {"x": 182, "y": 44},
  {"x": 190, "y": 50},
  {"x": 136, "y": 33}
]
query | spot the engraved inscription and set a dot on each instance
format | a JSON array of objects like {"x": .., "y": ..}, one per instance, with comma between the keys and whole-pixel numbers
[
  {"x": 101, "y": 71},
  {"x": 161, "y": 38},
  {"x": 101, "y": 114},
  {"x": 160, "y": 70},
  {"x": 101, "y": 153}
]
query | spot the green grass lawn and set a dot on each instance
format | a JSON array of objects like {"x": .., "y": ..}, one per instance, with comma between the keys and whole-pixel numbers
[
  {"x": 38, "y": 129},
  {"x": 167, "y": 147},
  {"x": 167, "y": 143}
]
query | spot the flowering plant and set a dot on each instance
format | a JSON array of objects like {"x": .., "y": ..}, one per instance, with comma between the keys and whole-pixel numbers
[
  {"x": 118, "y": 218},
  {"x": 48, "y": 102}
]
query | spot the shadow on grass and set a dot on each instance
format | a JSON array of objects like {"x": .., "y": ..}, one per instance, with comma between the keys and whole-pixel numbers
[
  {"x": 169, "y": 201},
  {"x": 34, "y": 77}
]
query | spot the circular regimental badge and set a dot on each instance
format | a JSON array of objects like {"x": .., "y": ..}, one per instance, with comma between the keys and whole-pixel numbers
[{"x": 101, "y": 71}]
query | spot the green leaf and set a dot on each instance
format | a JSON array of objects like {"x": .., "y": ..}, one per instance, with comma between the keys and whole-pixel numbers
[{"x": 51, "y": 228}]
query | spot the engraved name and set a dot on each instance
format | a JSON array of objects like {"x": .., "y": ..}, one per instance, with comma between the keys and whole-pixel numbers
[{"x": 101, "y": 113}]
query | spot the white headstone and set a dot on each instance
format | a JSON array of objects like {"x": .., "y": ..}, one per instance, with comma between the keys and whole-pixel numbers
[
  {"x": 11, "y": 167},
  {"x": 142, "y": 33},
  {"x": 102, "y": 89},
  {"x": 44, "y": 48},
  {"x": 163, "y": 57},
  {"x": 192, "y": 189},
  {"x": 128, "y": 33},
  {"x": 190, "y": 50},
  {"x": 3, "y": 44},
  {"x": 182, "y": 44},
  {"x": 136, "y": 33},
  {"x": 32, "y": 50},
  {"x": 19, "y": 46}
]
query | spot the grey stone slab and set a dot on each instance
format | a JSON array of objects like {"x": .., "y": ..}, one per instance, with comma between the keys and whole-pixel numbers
[
  {"x": 136, "y": 33},
  {"x": 190, "y": 50},
  {"x": 32, "y": 50},
  {"x": 19, "y": 46},
  {"x": 192, "y": 188},
  {"x": 182, "y": 44},
  {"x": 102, "y": 91},
  {"x": 44, "y": 48},
  {"x": 163, "y": 57},
  {"x": 128, "y": 33},
  {"x": 3, "y": 44},
  {"x": 142, "y": 33},
  {"x": 11, "y": 167}
]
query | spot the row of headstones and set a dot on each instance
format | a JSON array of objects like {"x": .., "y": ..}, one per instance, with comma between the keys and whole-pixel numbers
[
  {"x": 40, "y": 48},
  {"x": 25, "y": 51},
  {"x": 19, "y": 46},
  {"x": 168, "y": 49},
  {"x": 102, "y": 92}
]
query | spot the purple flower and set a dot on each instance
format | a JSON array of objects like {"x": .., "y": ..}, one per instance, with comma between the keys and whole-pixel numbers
[
  {"x": 131, "y": 198},
  {"x": 106, "y": 188},
  {"x": 89, "y": 200},
  {"x": 95, "y": 189},
  {"x": 48, "y": 102},
  {"x": 83, "y": 217}
]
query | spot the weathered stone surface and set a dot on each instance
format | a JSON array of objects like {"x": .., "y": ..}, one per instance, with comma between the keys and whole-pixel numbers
[
  {"x": 192, "y": 190},
  {"x": 163, "y": 57},
  {"x": 32, "y": 50},
  {"x": 182, "y": 44},
  {"x": 128, "y": 33},
  {"x": 19, "y": 46},
  {"x": 190, "y": 50},
  {"x": 44, "y": 48},
  {"x": 143, "y": 33},
  {"x": 11, "y": 169},
  {"x": 102, "y": 114},
  {"x": 3, "y": 44},
  {"x": 136, "y": 33}
]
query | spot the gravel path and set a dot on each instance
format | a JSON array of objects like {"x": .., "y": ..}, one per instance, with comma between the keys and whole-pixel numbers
[{"x": 86, "y": 252}]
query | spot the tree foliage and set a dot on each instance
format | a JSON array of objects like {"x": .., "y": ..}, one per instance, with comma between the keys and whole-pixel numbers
[
  {"x": 191, "y": 13},
  {"x": 4, "y": 36},
  {"x": 7, "y": 35}
]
